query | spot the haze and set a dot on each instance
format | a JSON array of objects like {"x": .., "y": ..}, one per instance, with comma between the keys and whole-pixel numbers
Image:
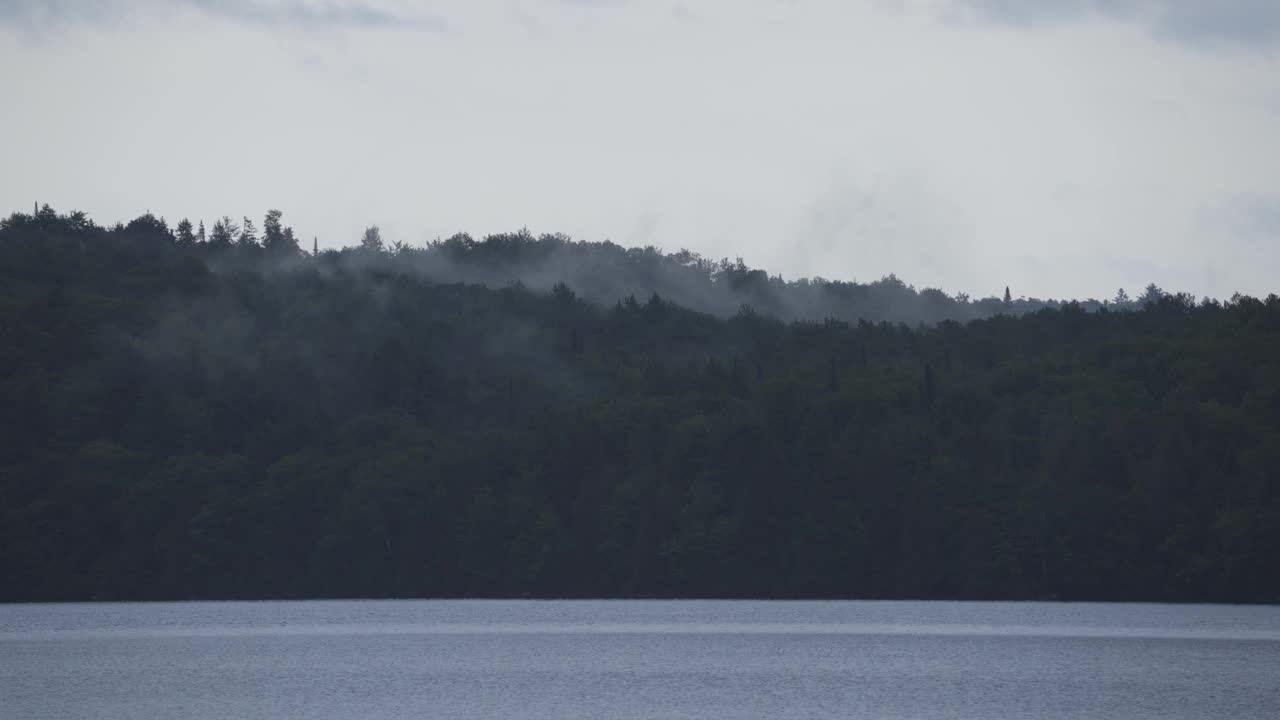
[{"x": 1064, "y": 149}]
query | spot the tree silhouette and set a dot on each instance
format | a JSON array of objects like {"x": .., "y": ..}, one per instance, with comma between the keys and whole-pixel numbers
[
  {"x": 248, "y": 237},
  {"x": 185, "y": 236},
  {"x": 371, "y": 240},
  {"x": 224, "y": 232},
  {"x": 277, "y": 239}
]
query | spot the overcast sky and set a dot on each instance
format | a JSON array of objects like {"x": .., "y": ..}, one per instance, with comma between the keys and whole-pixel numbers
[{"x": 1063, "y": 148}]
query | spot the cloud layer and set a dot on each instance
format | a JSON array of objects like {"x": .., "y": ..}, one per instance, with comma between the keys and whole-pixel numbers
[
  {"x": 46, "y": 15},
  {"x": 1201, "y": 23}
]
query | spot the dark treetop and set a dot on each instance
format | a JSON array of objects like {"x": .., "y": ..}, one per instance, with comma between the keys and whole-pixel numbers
[{"x": 192, "y": 414}]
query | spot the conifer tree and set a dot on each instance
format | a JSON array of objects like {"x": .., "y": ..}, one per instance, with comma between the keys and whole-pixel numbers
[
  {"x": 185, "y": 236},
  {"x": 248, "y": 234}
]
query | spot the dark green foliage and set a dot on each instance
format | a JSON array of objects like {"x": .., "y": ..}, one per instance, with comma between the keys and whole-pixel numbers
[
  {"x": 277, "y": 239},
  {"x": 225, "y": 419},
  {"x": 185, "y": 235},
  {"x": 371, "y": 240},
  {"x": 224, "y": 232}
]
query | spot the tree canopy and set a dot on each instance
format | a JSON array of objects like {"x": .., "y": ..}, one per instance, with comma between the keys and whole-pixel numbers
[{"x": 521, "y": 416}]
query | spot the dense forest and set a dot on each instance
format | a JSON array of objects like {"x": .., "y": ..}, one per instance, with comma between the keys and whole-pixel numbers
[{"x": 221, "y": 414}]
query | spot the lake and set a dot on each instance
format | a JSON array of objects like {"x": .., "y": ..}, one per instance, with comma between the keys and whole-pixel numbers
[{"x": 638, "y": 659}]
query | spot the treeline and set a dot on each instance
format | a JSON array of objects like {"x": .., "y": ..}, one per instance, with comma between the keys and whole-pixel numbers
[
  {"x": 185, "y": 417},
  {"x": 604, "y": 273}
]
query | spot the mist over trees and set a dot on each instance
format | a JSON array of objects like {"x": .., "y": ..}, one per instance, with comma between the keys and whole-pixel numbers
[
  {"x": 227, "y": 416},
  {"x": 605, "y": 273}
]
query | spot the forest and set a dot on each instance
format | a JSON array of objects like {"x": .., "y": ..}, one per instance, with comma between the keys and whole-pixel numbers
[{"x": 221, "y": 413}]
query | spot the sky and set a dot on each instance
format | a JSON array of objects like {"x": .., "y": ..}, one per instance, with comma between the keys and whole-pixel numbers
[{"x": 1063, "y": 148}]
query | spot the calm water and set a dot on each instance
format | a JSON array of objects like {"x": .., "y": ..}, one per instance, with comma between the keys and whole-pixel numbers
[{"x": 642, "y": 659}]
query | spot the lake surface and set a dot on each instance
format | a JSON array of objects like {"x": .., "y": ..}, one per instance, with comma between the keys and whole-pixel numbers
[{"x": 638, "y": 659}]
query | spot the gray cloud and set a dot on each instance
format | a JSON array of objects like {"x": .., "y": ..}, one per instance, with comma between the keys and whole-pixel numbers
[
  {"x": 682, "y": 13},
  {"x": 1243, "y": 231},
  {"x": 594, "y": 3},
  {"x": 316, "y": 16},
  {"x": 1252, "y": 216},
  {"x": 1198, "y": 23},
  {"x": 43, "y": 15}
]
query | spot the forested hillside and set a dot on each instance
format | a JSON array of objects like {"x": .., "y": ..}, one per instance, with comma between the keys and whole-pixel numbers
[{"x": 223, "y": 415}]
